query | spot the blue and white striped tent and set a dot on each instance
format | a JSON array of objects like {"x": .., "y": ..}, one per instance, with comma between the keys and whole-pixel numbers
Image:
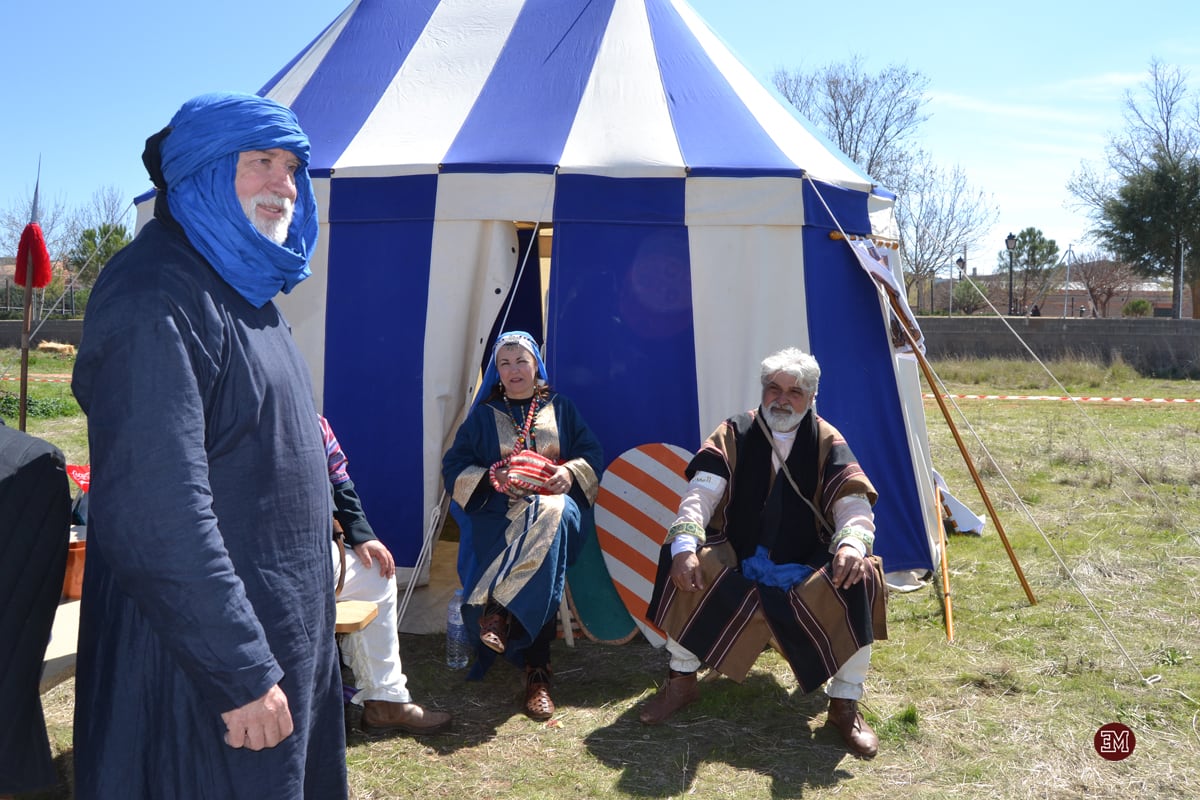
[{"x": 690, "y": 214}]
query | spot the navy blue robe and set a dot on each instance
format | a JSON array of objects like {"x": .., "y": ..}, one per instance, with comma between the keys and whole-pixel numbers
[{"x": 208, "y": 576}]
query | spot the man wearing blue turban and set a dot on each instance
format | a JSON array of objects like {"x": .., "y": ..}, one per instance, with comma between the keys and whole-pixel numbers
[{"x": 207, "y": 666}]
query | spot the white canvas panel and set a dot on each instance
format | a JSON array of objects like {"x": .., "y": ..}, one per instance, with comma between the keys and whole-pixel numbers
[
  {"x": 479, "y": 255},
  {"x": 622, "y": 126},
  {"x": 744, "y": 201},
  {"x": 304, "y": 308},
  {"x": 418, "y": 116},
  {"x": 908, "y": 381},
  {"x": 507, "y": 196},
  {"x": 747, "y": 297}
]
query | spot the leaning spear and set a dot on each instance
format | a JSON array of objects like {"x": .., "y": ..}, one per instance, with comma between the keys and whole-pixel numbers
[{"x": 33, "y": 272}]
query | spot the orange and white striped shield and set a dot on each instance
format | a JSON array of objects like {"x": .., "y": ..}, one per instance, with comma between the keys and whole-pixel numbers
[{"x": 638, "y": 501}]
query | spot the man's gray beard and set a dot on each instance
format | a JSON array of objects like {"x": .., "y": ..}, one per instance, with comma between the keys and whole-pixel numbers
[
  {"x": 274, "y": 229},
  {"x": 780, "y": 423}
]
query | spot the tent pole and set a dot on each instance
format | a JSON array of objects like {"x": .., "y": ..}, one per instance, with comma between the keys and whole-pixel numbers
[
  {"x": 962, "y": 448},
  {"x": 947, "y": 606},
  {"x": 26, "y": 326}
]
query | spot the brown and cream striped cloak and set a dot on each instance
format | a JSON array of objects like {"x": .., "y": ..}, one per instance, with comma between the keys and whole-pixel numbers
[{"x": 814, "y": 625}]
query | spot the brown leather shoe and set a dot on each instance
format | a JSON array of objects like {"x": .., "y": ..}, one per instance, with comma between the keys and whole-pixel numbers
[
  {"x": 493, "y": 630},
  {"x": 385, "y": 716},
  {"x": 679, "y": 691},
  {"x": 845, "y": 716},
  {"x": 538, "y": 704}
]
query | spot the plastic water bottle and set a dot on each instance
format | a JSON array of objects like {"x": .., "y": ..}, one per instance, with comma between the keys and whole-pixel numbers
[{"x": 458, "y": 648}]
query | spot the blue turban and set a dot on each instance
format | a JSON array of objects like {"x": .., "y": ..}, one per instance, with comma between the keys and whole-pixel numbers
[{"x": 199, "y": 163}]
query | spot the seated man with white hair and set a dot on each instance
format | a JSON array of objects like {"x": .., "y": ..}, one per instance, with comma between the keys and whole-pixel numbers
[{"x": 772, "y": 545}]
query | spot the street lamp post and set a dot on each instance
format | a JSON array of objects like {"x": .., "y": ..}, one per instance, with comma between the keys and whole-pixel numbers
[
  {"x": 962, "y": 265},
  {"x": 1011, "y": 243}
]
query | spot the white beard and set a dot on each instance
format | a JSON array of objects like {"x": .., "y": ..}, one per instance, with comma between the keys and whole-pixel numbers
[
  {"x": 274, "y": 229},
  {"x": 781, "y": 418}
]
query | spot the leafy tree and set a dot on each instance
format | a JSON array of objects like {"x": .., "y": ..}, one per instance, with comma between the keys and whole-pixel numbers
[
  {"x": 93, "y": 249},
  {"x": 967, "y": 299},
  {"x": 874, "y": 120},
  {"x": 1153, "y": 222},
  {"x": 1103, "y": 277},
  {"x": 1034, "y": 263},
  {"x": 1137, "y": 308}
]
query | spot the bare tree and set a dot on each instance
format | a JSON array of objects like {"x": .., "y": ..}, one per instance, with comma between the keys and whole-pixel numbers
[
  {"x": 871, "y": 118},
  {"x": 1103, "y": 277},
  {"x": 940, "y": 216},
  {"x": 874, "y": 119}
]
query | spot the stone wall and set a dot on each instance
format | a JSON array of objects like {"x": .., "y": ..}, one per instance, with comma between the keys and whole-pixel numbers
[
  {"x": 67, "y": 331},
  {"x": 1167, "y": 347}
]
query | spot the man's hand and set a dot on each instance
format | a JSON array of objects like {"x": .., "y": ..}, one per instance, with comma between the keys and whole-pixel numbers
[
  {"x": 375, "y": 551},
  {"x": 685, "y": 573},
  {"x": 261, "y": 723},
  {"x": 848, "y": 567}
]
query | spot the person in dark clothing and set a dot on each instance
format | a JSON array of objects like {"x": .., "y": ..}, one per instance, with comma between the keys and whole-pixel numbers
[
  {"x": 207, "y": 665},
  {"x": 35, "y": 525}
]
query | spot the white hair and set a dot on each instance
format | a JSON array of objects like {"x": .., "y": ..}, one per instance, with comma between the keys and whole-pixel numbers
[{"x": 795, "y": 362}]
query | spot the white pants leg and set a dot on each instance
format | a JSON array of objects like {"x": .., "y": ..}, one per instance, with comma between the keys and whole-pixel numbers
[
  {"x": 847, "y": 683},
  {"x": 682, "y": 659},
  {"x": 373, "y": 654}
]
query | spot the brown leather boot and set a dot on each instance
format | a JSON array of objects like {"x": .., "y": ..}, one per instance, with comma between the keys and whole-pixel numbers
[
  {"x": 493, "y": 630},
  {"x": 679, "y": 691},
  {"x": 845, "y": 716},
  {"x": 385, "y": 716},
  {"x": 538, "y": 703}
]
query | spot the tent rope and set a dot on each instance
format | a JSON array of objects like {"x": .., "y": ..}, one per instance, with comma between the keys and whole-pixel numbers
[{"x": 1028, "y": 515}]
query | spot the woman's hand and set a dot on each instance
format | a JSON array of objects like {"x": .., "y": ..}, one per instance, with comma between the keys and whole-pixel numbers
[{"x": 561, "y": 481}]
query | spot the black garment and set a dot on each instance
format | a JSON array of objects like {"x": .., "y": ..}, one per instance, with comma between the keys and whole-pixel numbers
[{"x": 35, "y": 525}]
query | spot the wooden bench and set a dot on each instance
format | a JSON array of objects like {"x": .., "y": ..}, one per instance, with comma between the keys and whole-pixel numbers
[{"x": 354, "y": 615}]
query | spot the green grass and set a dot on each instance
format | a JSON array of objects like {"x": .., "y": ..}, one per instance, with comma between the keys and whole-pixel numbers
[{"x": 1103, "y": 526}]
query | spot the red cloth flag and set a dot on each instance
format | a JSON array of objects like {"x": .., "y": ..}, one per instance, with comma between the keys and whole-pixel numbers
[{"x": 33, "y": 244}]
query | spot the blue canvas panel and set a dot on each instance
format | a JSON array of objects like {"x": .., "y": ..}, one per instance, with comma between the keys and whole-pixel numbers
[{"x": 374, "y": 338}]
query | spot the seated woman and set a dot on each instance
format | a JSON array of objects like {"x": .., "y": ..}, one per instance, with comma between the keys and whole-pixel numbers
[{"x": 525, "y": 468}]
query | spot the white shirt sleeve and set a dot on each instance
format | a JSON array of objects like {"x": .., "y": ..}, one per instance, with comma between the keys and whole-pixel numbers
[
  {"x": 704, "y": 491},
  {"x": 854, "y": 512}
]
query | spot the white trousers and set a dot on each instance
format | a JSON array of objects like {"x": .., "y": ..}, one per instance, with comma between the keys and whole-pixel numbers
[
  {"x": 373, "y": 654},
  {"x": 847, "y": 682}
]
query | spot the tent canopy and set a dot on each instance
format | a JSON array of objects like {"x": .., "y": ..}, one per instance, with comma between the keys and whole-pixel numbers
[{"x": 690, "y": 213}]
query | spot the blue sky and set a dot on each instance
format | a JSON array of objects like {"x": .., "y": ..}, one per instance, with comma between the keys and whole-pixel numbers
[{"x": 1018, "y": 98}]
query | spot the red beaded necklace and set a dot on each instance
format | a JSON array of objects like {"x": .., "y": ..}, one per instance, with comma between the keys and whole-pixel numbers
[{"x": 524, "y": 432}]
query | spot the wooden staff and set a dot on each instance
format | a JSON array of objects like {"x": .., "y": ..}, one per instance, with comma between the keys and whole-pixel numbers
[
  {"x": 962, "y": 448},
  {"x": 947, "y": 606},
  {"x": 25, "y": 328}
]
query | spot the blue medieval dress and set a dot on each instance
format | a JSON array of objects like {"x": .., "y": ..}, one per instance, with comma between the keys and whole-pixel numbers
[
  {"x": 208, "y": 576},
  {"x": 517, "y": 550}
]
